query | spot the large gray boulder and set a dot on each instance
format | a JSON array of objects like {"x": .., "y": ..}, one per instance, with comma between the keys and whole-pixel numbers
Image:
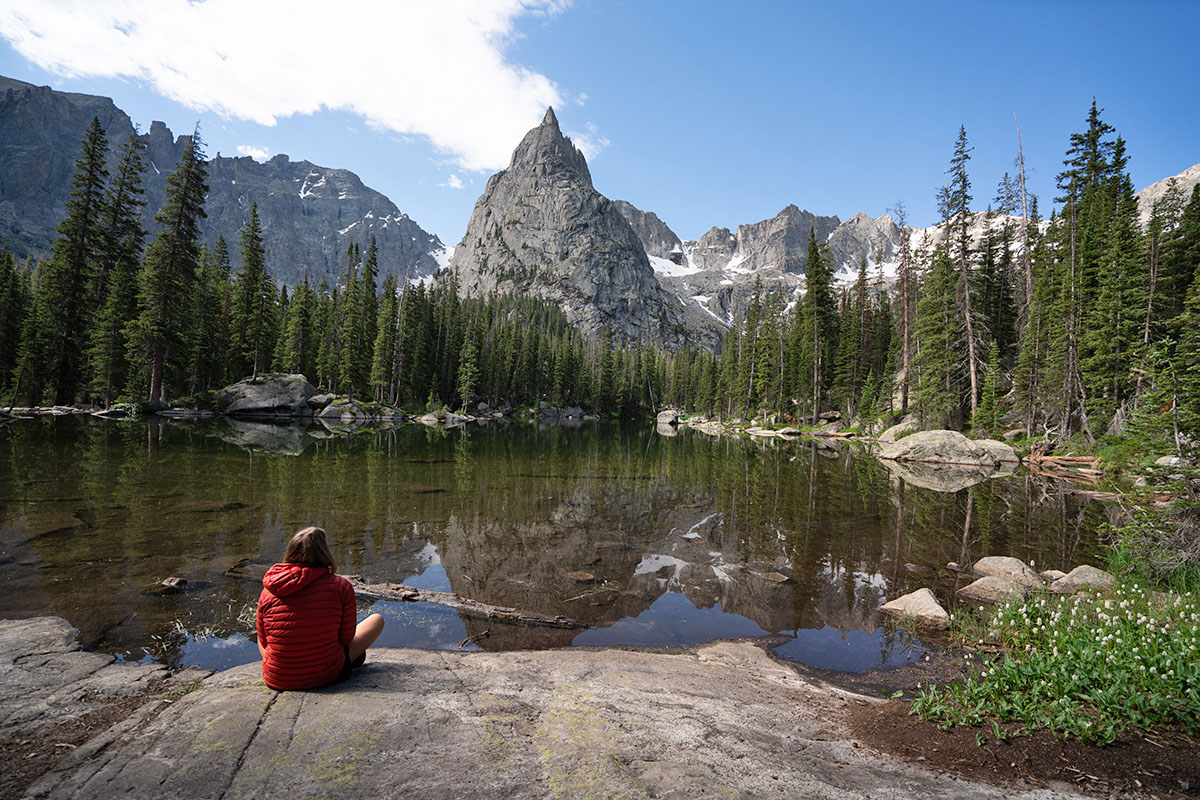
[
  {"x": 895, "y": 432},
  {"x": 268, "y": 396},
  {"x": 920, "y": 607},
  {"x": 1010, "y": 569},
  {"x": 1083, "y": 578},
  {"x": 668, "y": 417},
  {"x": 723, "y": 720},
  {"x": 990, "y": 589},
  {"x": 944, "y": 447},
  {"x": 1003, "y": 452}
]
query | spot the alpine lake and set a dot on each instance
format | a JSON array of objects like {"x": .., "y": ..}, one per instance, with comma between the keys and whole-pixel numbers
[{"x": 648, "y": 540}]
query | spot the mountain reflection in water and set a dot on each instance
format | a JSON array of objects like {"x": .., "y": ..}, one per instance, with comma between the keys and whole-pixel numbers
[{"x": 646, "y": 539}]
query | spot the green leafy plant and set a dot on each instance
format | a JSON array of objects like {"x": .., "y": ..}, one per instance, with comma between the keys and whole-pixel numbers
[{"x": 1084, "y": 667}]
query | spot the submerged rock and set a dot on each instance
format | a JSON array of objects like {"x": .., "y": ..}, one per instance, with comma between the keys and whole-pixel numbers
[{"x": 920, "y": 607}]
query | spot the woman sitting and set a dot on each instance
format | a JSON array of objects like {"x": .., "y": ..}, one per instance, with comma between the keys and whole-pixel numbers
[{"x": 306, "y": 631}]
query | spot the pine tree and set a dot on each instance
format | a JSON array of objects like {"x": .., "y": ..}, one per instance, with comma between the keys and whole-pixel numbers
[
  {"x": 254, "y": 310},
  {"x": 468, "y": 365},
  {"x": 383, "y": 361},
  {"x": 986, "y": 419},
  {"x": 67, "y": 282},
  {"x": 936, "y": 364},
  {"x": 958, "y": 199},
  {"x": 166, "y": 279},
  {"x": 817, "y": 332},
  {"x": 14, "y": 304},
  {"x": 116, "y": 292},
  {"x": 853, "y": 336}
]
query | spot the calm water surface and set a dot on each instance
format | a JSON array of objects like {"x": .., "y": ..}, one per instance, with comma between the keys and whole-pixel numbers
[{"x": 687, "y": 538}]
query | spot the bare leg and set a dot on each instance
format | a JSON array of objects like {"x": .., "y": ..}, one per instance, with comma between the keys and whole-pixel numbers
[{"x": 365, "y": 635}]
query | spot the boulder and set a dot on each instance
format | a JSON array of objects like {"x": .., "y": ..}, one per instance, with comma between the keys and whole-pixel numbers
[
  {"x": 342, "y": 410},
  {"x": 943, "y": 447},
  {"x": 668, "y": 417},
  {"x": 920, "y": 607},
  {"x": 574, "y": 411},
  {"x": 1051, "y": 575},
  {"x": 1009, "y": 568},
  {"x": 1171, "y": 461},
  {"x": 1003, "y": 452},
  {"x": 268, "y": 395},
  {"x": 1014, "y": 433},
  {"x": 990, "y": 589},
  {"x": 321, "y": 400},
  {"x": 830, "y": 416},
  {"x": 1081, "y": 578},
  {"x": 891, "y": 434}
]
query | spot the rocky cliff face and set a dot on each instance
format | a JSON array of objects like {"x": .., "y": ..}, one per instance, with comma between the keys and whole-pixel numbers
[
  {"x": 657, "y": 239},
  {"x": 310, "y": 214},
  {"x": 540, "y": 228},
  {"x": 40, "y": 133}
]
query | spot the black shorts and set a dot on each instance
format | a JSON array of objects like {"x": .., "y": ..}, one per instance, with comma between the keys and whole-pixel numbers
[{"x": 349, "y": 666}]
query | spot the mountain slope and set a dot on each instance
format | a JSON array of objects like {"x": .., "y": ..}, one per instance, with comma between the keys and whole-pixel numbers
[{"x": 310, "y": 214}]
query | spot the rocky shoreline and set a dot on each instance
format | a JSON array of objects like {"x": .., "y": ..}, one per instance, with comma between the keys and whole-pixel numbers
[{"x": 723, "y": 719}]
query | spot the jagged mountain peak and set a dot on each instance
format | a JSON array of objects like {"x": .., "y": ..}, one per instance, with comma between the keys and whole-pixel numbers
[
  {"x": 540, "y": 228},
  {"x": 546, "y": 147}
]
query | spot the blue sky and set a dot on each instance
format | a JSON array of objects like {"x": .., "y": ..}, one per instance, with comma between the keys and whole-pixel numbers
[{"x": 705, "y": 113}]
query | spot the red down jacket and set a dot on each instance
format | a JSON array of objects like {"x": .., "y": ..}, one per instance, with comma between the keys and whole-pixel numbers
[{"x": 306, "y": 616}]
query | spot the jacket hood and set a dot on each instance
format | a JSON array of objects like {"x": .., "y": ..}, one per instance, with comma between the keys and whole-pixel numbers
[{"x": 282, "y": 580}]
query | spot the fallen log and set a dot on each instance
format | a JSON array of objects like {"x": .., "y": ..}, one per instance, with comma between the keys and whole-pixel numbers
[{"x": 399, "y": 592}]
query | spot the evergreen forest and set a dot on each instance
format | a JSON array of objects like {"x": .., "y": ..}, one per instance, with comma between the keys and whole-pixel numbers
[{"x": 1083, "y": 324}]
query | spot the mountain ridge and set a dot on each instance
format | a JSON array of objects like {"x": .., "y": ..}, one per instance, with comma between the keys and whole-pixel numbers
[{"x": 310, "y": 214}]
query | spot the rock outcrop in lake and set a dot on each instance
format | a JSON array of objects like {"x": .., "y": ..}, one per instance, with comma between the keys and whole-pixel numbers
[
  {"x": 947, "y": 447},
  {"x": 540, "y": 228}
]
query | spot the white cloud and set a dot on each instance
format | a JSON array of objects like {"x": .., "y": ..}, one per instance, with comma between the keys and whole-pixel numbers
[
  {"x": 435, "y": 69},
  {"x": 257, "y": 153},
  {"x": 589, "y": 141},
  {"x": 453, "y": 182}
]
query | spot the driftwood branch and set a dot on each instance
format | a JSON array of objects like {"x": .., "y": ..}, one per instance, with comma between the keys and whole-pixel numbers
[
  {"x": 1073, "y": 468},
  {"x": 399, "y": 592}
]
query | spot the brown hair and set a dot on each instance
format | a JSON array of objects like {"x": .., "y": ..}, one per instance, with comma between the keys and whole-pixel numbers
[{"x": 310, "y": 548}]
